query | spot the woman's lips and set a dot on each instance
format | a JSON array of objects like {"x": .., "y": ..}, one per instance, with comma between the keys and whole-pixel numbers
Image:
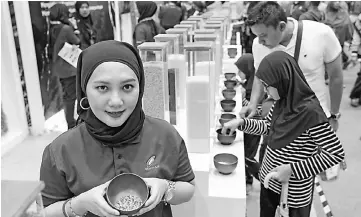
[{"x": 115, "y": 114}]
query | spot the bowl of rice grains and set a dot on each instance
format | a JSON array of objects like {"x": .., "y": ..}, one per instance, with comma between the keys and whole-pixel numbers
[{"x": 127, "y": 193}]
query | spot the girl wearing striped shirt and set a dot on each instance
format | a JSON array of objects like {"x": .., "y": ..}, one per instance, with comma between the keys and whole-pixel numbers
[{"x": 301, "y": 143}]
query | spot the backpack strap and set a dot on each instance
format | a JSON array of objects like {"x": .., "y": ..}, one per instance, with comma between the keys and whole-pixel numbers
[{"x": 298, "y": 40}]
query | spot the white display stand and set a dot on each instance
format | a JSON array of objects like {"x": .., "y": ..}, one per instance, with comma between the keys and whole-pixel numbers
[{"x": 216, "y": 194}]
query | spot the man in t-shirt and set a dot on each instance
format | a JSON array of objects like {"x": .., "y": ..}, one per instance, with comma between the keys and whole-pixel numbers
[{"x": 320, "y": 51}]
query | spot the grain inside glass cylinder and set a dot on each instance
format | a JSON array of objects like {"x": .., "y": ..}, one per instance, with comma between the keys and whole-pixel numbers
[
  {"x": 155, "y": 103},
  {"x": 172, "y": 95}
]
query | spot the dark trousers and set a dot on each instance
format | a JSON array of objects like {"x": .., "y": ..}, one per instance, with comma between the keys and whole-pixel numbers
[
  {"x": 356, "y": 90},
  {"x": 69, "y": 97},
  {"x": 269, "y": 201},
  {"x": 251, "y": 143}
]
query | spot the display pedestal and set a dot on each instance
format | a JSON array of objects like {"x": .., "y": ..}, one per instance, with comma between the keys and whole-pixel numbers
[{"x": 216, "y": 194}]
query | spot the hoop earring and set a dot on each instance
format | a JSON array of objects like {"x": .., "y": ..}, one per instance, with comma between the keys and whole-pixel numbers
[{"x": 81, "y": 104}]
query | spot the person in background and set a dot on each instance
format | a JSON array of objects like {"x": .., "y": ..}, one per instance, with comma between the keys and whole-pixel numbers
[
  {"x": 297, "y": 9},
  {"x": 355, "y": 94},
  {"x": 339, "y": 20},
  {"x": 248, "y": 36},
  {"x": 199, "y": 6},
  {"x": 170, "y": 15},
  {"x": 319, "y": 52},
  {"x": 246, "y": 72},
  {"x": 61, "y": 32},
  {"x": 355, "y": 10},
  {"x": 313, "y": 13},
  {"x": 114, "y": 137},
  {"x": 146, "y": 28},
  {"x": 301, "y": 142},
  {"x": 84, "y": 23}
]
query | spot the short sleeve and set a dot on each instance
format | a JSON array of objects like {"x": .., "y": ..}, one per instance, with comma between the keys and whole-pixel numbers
[
  {"x": 56, "y": 188},
  {"x": 332, "y": 47},
  {"x": 184, "y": 171},
  {"x": 256, "y": 54}
]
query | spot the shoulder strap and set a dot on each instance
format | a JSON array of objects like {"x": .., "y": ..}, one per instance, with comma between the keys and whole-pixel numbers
[
  {"x": 298, "y": 40},
  {"x": 358, "y": 30}
]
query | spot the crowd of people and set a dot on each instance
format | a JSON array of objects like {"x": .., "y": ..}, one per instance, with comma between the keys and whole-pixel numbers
[{"x": 293, "y": 73}]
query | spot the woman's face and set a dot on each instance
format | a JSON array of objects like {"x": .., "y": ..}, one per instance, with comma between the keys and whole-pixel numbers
[
  {"x": 271, "y": 91},
  {"x": 113, "y": 91},
  {"x": 84, "y": 10}
]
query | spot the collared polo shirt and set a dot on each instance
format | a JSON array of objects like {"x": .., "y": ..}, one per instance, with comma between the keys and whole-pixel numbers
[
  {"x": 75, "y": 162},
  {"x": 319, "y": 46}
]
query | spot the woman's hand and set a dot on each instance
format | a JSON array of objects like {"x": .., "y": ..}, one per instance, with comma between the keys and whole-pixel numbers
[
  {"x": 248, "y": 111},
  {"x": 283, "y": 173},
  {"x": 158, "y": 187},
  {"x": 231, "y": 126},
  {"x": 94, "y": 202}
]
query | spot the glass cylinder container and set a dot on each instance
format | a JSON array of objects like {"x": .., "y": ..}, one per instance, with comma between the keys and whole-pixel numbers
[
  {"x": 199, "y": 19},
  {"x": 195, "y": 23},
  {"x": 176, "y": 65},
  {"x": 218, "y": 22},
  {"x": 205, "y": 31},
  {"x": 200, "y": 56},
  {"x": 173, "y": 40},
  {"x": 216, "y": 65},
  {"x": 218, "y": 28},
  {"x": 190, "y": 29},
  {"x": 225, "y": 21},
  {"x": 154, "y": 56},
  {"x": 183, "y": 35}
]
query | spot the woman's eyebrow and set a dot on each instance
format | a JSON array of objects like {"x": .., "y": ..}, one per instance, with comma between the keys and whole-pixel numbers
[{"x": 107, "y": 82}]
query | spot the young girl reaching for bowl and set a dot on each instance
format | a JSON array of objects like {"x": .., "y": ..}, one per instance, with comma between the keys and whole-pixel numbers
[{"x": 301, "y": 142}]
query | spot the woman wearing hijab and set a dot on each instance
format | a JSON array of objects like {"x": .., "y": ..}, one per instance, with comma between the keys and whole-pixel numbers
[
  {"x": 146, "y": 28},
  {"x": 62, "y": 32},
  {"x": 114, "y": 137},
  {"x": 301, "y": 142},
  {"x": 246, "y": 71},
  {"x": 85, "y": 24}
]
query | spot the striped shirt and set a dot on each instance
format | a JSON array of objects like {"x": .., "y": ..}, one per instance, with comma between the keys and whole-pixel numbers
[{"x": 303, "y": 156}]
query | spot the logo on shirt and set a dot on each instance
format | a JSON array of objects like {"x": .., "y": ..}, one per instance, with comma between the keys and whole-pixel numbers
[{"x": 150, "y": 163}]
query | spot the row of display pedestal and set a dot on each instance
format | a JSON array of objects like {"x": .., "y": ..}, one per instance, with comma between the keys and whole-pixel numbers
[
  {"x": 195, "y": 55},
  {"x": 216, "y": 194}
]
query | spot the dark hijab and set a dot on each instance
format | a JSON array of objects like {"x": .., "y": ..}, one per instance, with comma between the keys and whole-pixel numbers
[
  {"x": 85, "y": 26},
  {"x": 146, "y": 9},
  {"x": 59, "y": 12},
  {"x": 87, "y": 19},
  {"x": 59, "y": 16},
  {"x": 246, "y": 64},
  {"x": 298, "y": 108},
  {"x": 89, "y": 59}
]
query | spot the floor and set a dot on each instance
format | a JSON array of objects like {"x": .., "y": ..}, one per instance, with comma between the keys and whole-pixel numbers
[{"x": 343, "y": 195}]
